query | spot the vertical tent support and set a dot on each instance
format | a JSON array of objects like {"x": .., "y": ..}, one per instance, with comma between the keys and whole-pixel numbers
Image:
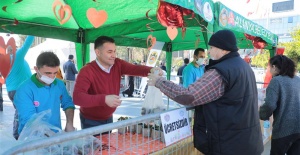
[
  {"x": 169, "y": 63},
  {"x": 82, "y": 49}
]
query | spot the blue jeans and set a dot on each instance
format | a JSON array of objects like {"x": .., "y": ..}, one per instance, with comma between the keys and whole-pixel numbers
[{"x": 87, "y": 123}]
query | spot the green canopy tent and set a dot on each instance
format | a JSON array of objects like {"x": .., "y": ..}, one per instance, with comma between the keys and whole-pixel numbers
[
  {"x": 129, "y": 22},
  {"x": 225, "y": 18}
]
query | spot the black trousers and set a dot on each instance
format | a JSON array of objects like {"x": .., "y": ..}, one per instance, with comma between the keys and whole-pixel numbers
[{"x": 289, "y": 145}]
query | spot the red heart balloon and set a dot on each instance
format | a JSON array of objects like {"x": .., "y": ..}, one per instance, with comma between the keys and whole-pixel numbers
[{"x": 7, "y": 55}]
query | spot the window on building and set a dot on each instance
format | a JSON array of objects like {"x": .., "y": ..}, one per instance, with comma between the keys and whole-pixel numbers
[{"x": 290, "y": 19}]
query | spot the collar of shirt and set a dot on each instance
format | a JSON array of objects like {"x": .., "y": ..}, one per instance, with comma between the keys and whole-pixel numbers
[{"x": 103, "y": 68}]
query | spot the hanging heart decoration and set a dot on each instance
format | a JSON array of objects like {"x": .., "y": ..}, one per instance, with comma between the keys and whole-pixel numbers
[
  {"x": 7, "y": 55},
  {"x": 172, "y": 32},
  {"x": 61, "y": 11},
  {"x": 150, "y": 42},
  {"x": 96, "y": 18}
]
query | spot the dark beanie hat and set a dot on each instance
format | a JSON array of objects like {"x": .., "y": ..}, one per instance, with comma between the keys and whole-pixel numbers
[
  {"x": 225, "y": 40},
  {"x": 71, "y": 56}
]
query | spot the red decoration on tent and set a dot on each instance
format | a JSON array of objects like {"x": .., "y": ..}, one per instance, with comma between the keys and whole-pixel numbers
[
  {"x": 257, "y": 42},
  {"x": 170, "y": 15},
  {"x": 16, "y": 22},
  {"x": 61, "y": 11},
  {"x": 248, "y": 36},
  {"x": 280, "y": 50},
  {"x": 96, "y": 18},
  {"x": 7, "y": 55},
  {"x": 172, "y": 32},
  {"x": 150, "y": 42}
]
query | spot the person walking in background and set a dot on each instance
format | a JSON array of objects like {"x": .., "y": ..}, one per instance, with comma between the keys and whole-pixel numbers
[
  {"x": 19, "y": 72},
  {"x": 283, "y": 102},
  {"x": 70, "y": 72},
  {"x": 42, "y": 91},
  {"x": 228, "y": 121},
  {"x": 97, "y": 87},
  {"x": 193, "y": 71},
  {"x": 129, "y": 91},
  {"x": 163, "y": 66},
  {"x": 180, "y": 70}
]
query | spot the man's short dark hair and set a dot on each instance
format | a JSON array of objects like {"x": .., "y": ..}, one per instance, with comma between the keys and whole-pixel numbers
[
  {"x": 186, "y": 60},
  {"x": 196, "y": 52},
  {"x": 103, "y": 39},
  {"x": 47, "y": 58}
]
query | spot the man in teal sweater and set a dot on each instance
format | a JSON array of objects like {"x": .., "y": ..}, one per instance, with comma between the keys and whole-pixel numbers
[
  {"x": 42, "y": 91},
  {"x": 19, "y": 72},
  {"x": 193, "y": 71}
]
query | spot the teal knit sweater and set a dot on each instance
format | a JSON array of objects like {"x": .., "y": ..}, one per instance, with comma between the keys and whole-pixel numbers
[
  {"x": 283, "y": 101},
  {"x": 20, "y": 70}
]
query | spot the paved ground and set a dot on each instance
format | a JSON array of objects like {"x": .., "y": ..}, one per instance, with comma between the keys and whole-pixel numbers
[{"x": 130, "y": 107}]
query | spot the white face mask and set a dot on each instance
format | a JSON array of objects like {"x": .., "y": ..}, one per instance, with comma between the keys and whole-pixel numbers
[
  {"x": 200, "y": 61},
  {"x": 46, "y": 79}
]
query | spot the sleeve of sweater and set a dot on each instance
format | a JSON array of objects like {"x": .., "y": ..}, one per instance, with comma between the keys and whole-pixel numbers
[
  {"x": 23, "y": 100},
  {"x": 24, "y": 49},
  {"x": 271, "y": 100},
  {"x": 134, "y": 70},
  {"x": 81, "y": 96},
  {"x": 66, "y": 100}
]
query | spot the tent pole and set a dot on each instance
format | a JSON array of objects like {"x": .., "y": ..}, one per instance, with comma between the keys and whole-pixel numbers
[
  {"x": 169, "y": 63},
  {"x": 272, "y": 52},
  {"x": 82, "y": 49}
]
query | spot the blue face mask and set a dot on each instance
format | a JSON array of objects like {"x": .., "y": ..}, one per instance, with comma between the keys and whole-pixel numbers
[{"x": 46, "y": 79}]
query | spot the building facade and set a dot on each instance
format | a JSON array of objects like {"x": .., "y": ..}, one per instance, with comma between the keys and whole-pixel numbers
[{"x": 281, "y": 17}]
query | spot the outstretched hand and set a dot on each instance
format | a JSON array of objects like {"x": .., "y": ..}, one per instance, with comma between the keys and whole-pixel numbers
[
  {"x": 152, "y": 78},
  {"x": 112, "y": 101},
  {"x": 157, "y": 70}
]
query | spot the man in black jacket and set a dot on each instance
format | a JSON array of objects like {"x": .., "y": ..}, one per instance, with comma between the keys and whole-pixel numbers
[{"x": 227, "y": 123}]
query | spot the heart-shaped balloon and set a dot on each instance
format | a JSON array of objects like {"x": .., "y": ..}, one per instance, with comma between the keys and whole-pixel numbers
[
  {"x": 172, "y": 32},
  {"x": 150, "y": 42},
  {"x": 62, "y": 12},
  {"x": 96, "y": 18},
  {"x": 7, "y": 55}
]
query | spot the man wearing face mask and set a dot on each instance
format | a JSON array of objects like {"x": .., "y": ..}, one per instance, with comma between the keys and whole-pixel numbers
[
  {"x": 193, "y": 71},
  {"x": 42, "y": 91},
  {"x": 228, "y": 94}
]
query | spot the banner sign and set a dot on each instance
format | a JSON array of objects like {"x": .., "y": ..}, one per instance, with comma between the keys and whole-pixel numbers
[
  {"x": 231, "y": 20},
  {"x": 151, "y": 61},
  {"x": 175, "y": 125},
  {"x": 204, "y": 8},
  {"x": 154, "y": 54}
]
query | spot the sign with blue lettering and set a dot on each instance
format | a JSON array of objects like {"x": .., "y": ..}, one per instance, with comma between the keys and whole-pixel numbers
[{"x": 176, "y": 125}]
